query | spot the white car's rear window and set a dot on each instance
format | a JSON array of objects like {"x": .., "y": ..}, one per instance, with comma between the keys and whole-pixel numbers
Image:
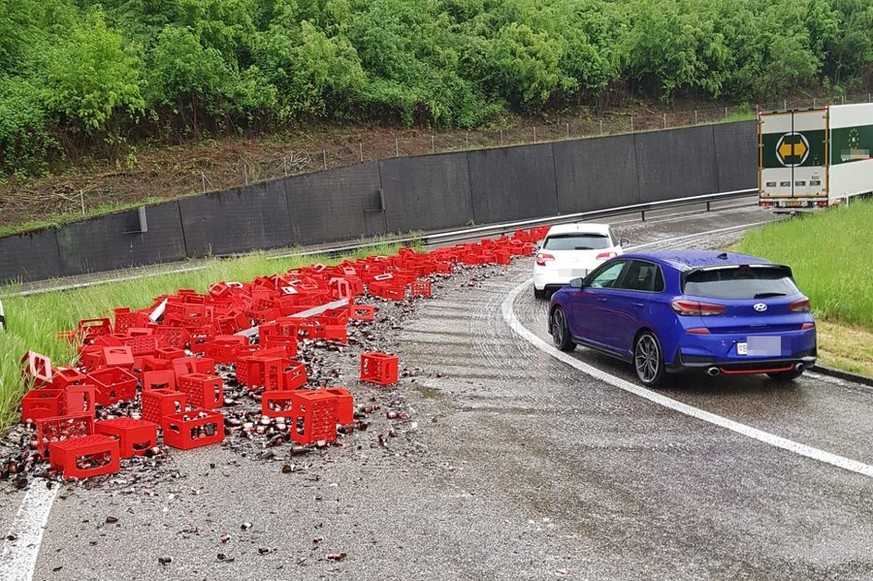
[{"x": 576, "y": 241}]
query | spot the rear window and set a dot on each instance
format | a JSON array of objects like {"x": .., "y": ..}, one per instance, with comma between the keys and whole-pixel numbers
[
  {"x": 576, "y": 241},
  {"x": 740, "y": 282}
]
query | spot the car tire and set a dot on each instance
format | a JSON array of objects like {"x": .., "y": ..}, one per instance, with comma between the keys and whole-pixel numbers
[
  {"x": 648, "y": 359},
  {"x": 785, "y": 376},
  {"x": 539, "y": 294},
  {"x": 560, "y": 331}
]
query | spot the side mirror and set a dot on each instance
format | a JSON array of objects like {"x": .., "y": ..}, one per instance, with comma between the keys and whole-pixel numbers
[
  {"x": 623, "y": 242},
  {"x": 577, "y": 282}
]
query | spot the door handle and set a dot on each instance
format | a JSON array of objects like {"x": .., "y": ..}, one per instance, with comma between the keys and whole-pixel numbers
[
  {"x": 601, "y": 300},
  {"x": 638, "y": 305}
]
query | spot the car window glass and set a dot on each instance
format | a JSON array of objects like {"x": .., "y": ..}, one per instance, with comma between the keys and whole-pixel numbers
[
  {"x": 643, "y": 276},
  {"x": 740, "y": 282},
  {"x": 576, "y": 241},
  {"x": 607, "y": 277}
]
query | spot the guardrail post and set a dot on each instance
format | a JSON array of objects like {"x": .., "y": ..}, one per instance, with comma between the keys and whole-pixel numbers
[
  {"x": 643, "y": 215},
  {"x": 707, "y": 206}
]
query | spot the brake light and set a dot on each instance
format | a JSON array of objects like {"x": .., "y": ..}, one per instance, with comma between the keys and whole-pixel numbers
[
  {"x": 605, "y": 255},
  {"x": 543, "y": 258},
  {"x": 807, "y": 326},
  {"x": 800, "y": 306},
  {"x": 697, "y": 331},
  {"x": 687, "y": 308}
]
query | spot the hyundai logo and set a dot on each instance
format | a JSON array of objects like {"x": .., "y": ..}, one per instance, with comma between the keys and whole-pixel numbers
[{"x": 760, "y": 307}]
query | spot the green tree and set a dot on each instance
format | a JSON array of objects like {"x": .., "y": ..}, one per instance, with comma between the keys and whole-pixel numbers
[{"x": 93, "y": 80}]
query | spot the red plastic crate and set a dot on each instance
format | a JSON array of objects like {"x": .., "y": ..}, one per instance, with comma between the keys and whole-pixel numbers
[
  {"x": 64, "y": 376},
  {"x": 362, "y": 312},
  {"x": 387, "y": 290},
  {"x": 80, "y": 399},
  {"x": 203, "y": 391},
  {"x": 113, "y": 384},
  {"x": 186, "y": 365},
  {"x": 141, "y": 344},
  {"x": 157, "y": 404},
  {"x": 169, "y": 353},
  {"x": 59, "y": 428},
  {"x": 223, "y": 348},
  {"x": 134, "y": 436},
  {"x": 158, "y": 379},
  {"x": 421, "y": 288},
  {"x": 314, "y": 416},
  {"x": 86, "y": 457},
  {"x": 294, "y": 375},
  {"x": 36, "y": 369},
  {"x": 277, "y": 404},
  {"x": 345, "y": 404},
  {"x": 121, "y": 356},
  {"x": 90, "y": 329},
  {"x": 193, "y": 429},
  {"x": 379, "y": 368},
  {"x": 42, "y": 403}
]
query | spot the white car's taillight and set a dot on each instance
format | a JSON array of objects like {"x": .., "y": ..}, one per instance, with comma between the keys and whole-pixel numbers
[
  {"x": 543, "y": 258},
  {"x": 605, "y": 255}
]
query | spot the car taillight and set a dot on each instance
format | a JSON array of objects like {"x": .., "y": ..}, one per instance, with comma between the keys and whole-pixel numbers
[
  {"x": 686, "y": 308},
  {"x": 800, "y": 306},
  {"x": 605, "y": 255},
  {"x": 807, "y": 326},
  {"x": 543, "y": 258}
]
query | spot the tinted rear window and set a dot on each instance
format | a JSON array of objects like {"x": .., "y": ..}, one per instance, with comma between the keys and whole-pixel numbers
[
  {"x": 741, "y": 282},
  {"x": 573, "y": 241}
]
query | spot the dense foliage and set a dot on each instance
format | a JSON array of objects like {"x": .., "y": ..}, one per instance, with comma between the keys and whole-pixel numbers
[{"x": 76, "y": 72}]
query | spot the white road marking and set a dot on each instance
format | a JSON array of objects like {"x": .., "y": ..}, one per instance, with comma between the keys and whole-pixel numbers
[
  {"x": 748, "y": 431},
  {"x": 18, "y": 559}
]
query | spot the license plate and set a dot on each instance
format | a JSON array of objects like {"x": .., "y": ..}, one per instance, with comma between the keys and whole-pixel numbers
[
  {"x": 793, "y": 204},
  {"x": 763, "y": 346}
]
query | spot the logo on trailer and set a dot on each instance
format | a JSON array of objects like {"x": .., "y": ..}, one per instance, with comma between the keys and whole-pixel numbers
[{"x": 792, "y": 149}]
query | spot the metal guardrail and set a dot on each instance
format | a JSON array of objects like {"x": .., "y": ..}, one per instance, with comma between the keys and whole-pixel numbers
[{"x": 444, "y": 238}]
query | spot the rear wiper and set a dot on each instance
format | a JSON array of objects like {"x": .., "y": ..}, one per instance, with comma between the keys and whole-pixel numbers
[{"x": 768, "y": 295}]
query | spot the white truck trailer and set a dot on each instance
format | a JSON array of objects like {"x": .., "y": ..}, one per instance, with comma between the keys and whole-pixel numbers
[{"x": 814, "y": 158}]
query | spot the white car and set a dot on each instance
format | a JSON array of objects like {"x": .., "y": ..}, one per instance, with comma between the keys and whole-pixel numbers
[{"x": 569, "y": 251}]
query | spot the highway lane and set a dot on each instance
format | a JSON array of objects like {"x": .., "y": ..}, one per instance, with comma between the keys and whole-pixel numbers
[{"x": 517, "y": 467}]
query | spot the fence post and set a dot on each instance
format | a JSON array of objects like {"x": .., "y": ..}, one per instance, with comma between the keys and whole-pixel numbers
[
  {"x": 361, "y": 149},
  {"x": 82, "y": 200},
  {"x": 324, "y": 158},
  {"x": 467, "y": 140},
  {"x": 535, "y": 133},
  {"x": 695, "y": 116},
  {"x": 665, "y": 120},
  {"x": 501, "y": 137},
  {"x": 285, "y": 165},
  {"x": 396, "y": 147},
  {"x": 601, "y": 127},
  {"x": 568, "y": 129},
  {"x": 432, "y": 144},
  {"x": 203, "y": 181},
  {"x": 246, "y": 173},
  {"x": 784, "y": 104},
  {"x": 725, "y": 112},
  {"x": 814, "y": 102},
  {"x": 632, "y": 123}
]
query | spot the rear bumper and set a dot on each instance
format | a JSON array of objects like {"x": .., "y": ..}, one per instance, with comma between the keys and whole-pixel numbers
[{"x": 685, "y": 363}]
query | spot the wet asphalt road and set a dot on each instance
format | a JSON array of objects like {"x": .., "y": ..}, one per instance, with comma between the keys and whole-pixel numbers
[{"x": 517, "y": 467}]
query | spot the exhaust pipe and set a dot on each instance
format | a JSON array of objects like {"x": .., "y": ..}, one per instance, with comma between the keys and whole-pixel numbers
[
  {"x": 799, "y": 367},
  {"x": 713, "y": 371}
]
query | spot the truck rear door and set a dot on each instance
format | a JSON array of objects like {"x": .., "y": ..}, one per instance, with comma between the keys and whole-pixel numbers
[{"x": 793, "y": 157}]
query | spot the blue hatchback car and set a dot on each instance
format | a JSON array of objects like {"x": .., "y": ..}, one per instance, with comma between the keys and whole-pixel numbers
[{"x": 673, "y": 311}]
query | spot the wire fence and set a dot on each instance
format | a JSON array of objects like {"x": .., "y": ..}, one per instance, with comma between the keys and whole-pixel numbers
[{"x": 199, "y": 174}]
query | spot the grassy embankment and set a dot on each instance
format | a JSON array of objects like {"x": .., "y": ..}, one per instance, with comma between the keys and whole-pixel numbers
[
  {"x": 832, "y": 259},
  {"x": 34, "y": 321}
]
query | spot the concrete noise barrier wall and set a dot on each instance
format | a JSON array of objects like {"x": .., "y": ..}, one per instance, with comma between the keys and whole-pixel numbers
[{"x": 425, "y": 193}]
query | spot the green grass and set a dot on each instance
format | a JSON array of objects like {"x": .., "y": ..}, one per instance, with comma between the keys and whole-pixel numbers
[
  {"x": 831, "y": 255},
  {"x": 34, "y": 321}
]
